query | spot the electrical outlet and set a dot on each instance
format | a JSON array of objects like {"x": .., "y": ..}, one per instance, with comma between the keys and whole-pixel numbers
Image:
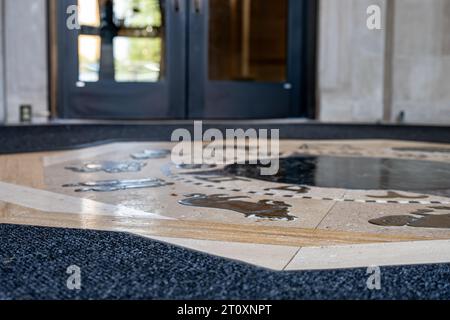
[{"x": 26, "y": 113}]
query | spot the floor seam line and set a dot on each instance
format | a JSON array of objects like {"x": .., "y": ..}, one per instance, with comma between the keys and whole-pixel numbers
[
  {"x": 325, "y": 216},
  {"x": 292, "y": 258}
]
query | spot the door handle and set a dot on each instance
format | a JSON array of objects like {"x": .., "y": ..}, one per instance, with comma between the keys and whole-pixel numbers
[
  {"x": 198, "y": 6},
  {"x": 176, "y": 5}
]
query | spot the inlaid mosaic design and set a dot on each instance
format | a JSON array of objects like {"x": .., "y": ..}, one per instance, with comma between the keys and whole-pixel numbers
[{"x": 325, "y": 193}]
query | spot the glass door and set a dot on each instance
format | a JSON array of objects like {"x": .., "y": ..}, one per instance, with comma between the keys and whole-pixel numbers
[
  {"x": 125, "y": 60},
  {"x": 175, "y": 59},
  {"x": 244, "y": 58}
]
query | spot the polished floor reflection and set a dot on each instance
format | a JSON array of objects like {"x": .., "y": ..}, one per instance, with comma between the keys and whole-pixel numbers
[{"x": 352, "y": 173}]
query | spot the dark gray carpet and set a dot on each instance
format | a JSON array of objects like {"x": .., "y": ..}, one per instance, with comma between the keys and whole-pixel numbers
[{"x": 33, "y": 263}]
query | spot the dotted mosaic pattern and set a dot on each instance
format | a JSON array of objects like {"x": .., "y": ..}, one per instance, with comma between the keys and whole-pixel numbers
[{"x": 195, "y": 182}]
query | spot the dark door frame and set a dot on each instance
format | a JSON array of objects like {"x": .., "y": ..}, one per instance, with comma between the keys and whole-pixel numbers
[
  {"x": 213, "y": 99},
  {"x": 146, "y": 100},
  {"x": 303, "y": 72},
  {"x": 309, "y": 53}
]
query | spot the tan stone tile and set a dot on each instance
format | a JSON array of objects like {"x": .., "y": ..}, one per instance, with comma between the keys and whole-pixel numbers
[
  {"x": 55, "y": 202},
  {"x": 368, "y": 255},
  {"x": 402, "y": 197},
  {"x": 354, "y": 217},
  {"x": 121, "y": 149},
  {"x": 267, "y": 256}
]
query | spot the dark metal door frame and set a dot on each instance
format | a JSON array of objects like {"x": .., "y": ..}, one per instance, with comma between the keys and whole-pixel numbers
[
  {"x": 185, "y": 90},
  {"x": 125, "y": 100},
  {"x": 209, "y": 99}
]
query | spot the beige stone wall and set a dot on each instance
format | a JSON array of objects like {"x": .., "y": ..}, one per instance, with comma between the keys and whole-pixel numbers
[
  {"x": 421, "y": 75},
  {"x": 25, "y": 30},
  {"x": 362, "y": 78},
  {"x": 351, "y": 62},
  {"x": 2, "y": 81}
]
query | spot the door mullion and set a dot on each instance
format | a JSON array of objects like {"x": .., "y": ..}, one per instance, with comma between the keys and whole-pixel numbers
[
  {"x": 176, "y": 64},
  {"x": 197, "y": 57}
]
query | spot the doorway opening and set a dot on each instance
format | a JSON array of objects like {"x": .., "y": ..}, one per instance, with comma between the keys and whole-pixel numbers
[{"x": 176, "y": 59}]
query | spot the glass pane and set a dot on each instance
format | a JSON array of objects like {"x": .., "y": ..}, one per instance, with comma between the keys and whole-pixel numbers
[
  {"x": 138, "y": 13},
  {"x": 247, "y": 40},
  {"x": 121, "y": 40},
  {"x": 137, "y": 59},
  {"x": 88, "y": 13},
  {"x": 89, "y": 58}
]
